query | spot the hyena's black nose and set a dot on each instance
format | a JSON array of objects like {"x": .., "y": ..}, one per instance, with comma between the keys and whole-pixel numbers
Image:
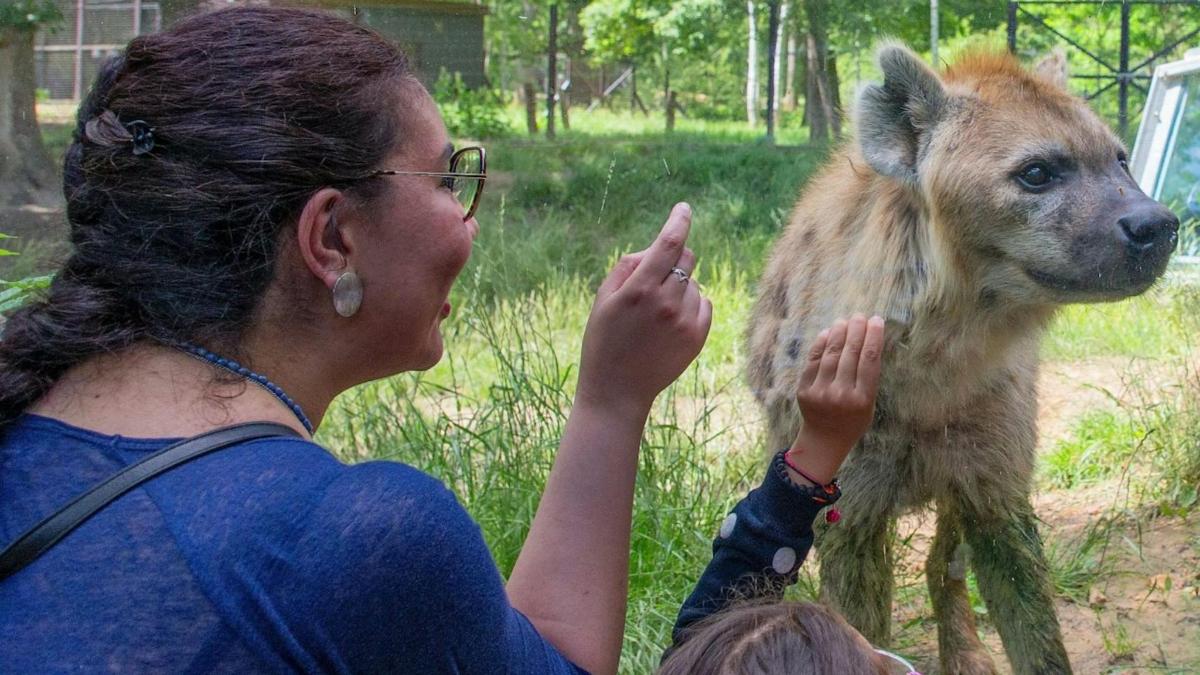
[{"x": 1149, "y": 227}]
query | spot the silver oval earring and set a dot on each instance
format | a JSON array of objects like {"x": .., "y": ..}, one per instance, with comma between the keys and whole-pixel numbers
[{"x": 347, "y": 294}]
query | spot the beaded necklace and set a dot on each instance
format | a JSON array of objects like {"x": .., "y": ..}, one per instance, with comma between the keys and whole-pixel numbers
[{"x": 261, "y": 380}]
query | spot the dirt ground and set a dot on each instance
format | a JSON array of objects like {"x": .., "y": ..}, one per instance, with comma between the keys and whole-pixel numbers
[{"x": 1144, "y": 616}]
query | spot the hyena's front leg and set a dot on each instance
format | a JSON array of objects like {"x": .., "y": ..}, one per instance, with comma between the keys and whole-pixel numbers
[
  {"x": 1014, "y": 580},
  {"x": 857, "y": 560},
  {"x": 961, "y": 650}
]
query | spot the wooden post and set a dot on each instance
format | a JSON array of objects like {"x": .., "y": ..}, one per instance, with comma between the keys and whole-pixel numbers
[
  {"x": 531, "y": 116},
  {"x": 670, "y": 111}
]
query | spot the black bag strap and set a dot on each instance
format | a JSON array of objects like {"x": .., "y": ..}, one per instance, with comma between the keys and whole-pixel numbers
[{"x": 54, "y": 527}]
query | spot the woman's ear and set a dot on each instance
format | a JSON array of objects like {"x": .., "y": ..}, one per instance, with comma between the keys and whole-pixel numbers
[{"x": 321, "y": 242}]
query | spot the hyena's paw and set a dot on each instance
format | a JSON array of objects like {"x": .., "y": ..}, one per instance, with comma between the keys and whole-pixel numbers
[{"x": 968, "y": 662}]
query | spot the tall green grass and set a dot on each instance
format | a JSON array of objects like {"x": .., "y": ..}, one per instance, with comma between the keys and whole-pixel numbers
[
  {"x": 488, "y": 419},
  {"x": 563, "y": 209}
]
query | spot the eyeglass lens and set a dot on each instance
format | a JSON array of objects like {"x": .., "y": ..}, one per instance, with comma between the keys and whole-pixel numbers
[{"x": 465, "y": 189}]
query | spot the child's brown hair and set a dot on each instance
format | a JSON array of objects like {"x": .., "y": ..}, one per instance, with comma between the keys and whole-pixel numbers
[{"x": 798, "y": 638}]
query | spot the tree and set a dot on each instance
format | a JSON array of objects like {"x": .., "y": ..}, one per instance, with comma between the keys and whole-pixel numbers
[
  {"x": 654, "y": 32},
  {"x": 27, "y": 174},
  {"x": 516, "y": 39},
  {"x": 822, "y": 102},
  {"x": 751, "y": 65},
  {"x": 773, "y": 12}
]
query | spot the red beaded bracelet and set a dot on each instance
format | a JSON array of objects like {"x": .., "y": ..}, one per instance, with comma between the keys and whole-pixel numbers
[{"x": 832, "y": 489}]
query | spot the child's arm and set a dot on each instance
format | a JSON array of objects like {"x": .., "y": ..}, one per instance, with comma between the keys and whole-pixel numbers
[{"x": 762, "y": 543}]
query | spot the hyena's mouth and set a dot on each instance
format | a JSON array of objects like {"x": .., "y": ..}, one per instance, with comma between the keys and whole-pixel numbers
[
  {"x": 1054, "y": 282},
  {"x": 1108, "y": 285}
]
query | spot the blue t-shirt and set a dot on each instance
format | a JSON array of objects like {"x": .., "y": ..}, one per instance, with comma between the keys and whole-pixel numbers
[{"x": 268, "y": 556}]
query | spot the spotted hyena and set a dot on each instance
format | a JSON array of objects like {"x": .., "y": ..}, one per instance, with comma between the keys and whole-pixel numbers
[{"x": 970, "y": 206}]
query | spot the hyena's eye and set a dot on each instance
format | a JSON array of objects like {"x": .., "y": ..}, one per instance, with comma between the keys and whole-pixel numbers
[{"x": 1035, "y": 176}]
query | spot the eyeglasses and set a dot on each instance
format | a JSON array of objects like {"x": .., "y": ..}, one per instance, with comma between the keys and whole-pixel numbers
[{"x": 467, "y": 174}]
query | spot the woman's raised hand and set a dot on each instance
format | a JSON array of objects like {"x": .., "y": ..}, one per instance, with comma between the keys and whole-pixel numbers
[{"x": 647, "y": 324}]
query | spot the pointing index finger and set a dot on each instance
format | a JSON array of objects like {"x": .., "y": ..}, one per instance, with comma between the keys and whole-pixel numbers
[{"x": 664, "y": 253}]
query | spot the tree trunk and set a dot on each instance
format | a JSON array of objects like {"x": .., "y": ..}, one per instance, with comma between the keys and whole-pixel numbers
[
  {"x": 668, "y": 95},
  {"x": 772, "y": 65},
  {"x": 751, "y": 67},
  {"x": 789, "y": 88},
  {"x": 27, "y": 174},
  {"x": 802, "y": 79},
  {"x": 777, "y": 50},
  {"x": 835, "y": 96},
  {"x": 635, "y": 101},
  {"x": 551, "y": 70},
  {"x": 633, "y": 95},
  {"x": 821, "y": 102}
]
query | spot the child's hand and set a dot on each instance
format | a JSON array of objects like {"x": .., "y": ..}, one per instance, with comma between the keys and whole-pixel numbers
[
  {"x": 648, "y": 323},
  {"x": 837, "y": 395}
]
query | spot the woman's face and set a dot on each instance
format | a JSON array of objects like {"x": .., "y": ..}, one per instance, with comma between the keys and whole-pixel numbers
[{"x": 416, "y": 245}]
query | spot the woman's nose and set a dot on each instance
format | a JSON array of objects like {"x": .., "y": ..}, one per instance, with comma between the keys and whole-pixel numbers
[{"x": 473, "y": 227}]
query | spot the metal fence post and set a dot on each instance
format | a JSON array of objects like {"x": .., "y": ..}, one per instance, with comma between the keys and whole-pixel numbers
[{"x": 1123, "y": 75}]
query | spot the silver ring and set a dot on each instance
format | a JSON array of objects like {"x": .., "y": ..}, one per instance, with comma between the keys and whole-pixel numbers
[{"x": 680, "y": 275}]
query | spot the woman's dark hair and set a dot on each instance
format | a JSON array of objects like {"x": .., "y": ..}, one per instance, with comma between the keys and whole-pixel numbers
[
  {"x": 250, "y": 110},
  {"x": 798, "y": 638}
]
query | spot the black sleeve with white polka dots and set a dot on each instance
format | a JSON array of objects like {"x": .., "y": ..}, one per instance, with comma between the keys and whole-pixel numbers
[{"x": 758, "y": 550}]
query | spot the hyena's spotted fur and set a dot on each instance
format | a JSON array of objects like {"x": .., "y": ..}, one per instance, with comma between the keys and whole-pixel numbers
[{"x": 923, "y": 219}]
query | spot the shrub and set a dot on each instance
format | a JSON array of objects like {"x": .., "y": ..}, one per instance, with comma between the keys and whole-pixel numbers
[{"x": 470, "y": 113}]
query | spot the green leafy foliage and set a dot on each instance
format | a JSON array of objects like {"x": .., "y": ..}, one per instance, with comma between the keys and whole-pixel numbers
[
  {"x": 28, "y": 14},
  {"x": 470, "y": 113},
  {"x": 13, "y": 294}
]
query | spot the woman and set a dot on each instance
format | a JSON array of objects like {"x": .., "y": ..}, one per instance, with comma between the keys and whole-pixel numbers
[{"x": 266, "y": 211}]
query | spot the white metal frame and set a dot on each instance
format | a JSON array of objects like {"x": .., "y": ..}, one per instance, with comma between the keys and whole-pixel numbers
[{"x": 1155, "y": 142}]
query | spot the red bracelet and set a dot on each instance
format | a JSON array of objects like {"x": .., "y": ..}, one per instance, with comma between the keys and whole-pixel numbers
[
  {"x": 787, "y": 459},
  {"x": 832, "y": 489}
]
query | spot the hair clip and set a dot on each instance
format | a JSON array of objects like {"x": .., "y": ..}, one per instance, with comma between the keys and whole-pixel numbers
[{"x": 142, "y": 136}]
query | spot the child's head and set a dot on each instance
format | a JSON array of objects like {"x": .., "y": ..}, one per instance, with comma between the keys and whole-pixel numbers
[{"x": 797, "y": 638}]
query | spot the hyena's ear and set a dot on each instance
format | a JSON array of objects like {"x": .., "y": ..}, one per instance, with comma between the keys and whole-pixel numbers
[
  {"x": 894, "y": 118},
  {"x": 1053, "y": 68}
]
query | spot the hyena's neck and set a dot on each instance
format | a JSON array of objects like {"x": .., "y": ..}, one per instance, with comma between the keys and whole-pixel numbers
[{"x": 950, "y": 331}]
